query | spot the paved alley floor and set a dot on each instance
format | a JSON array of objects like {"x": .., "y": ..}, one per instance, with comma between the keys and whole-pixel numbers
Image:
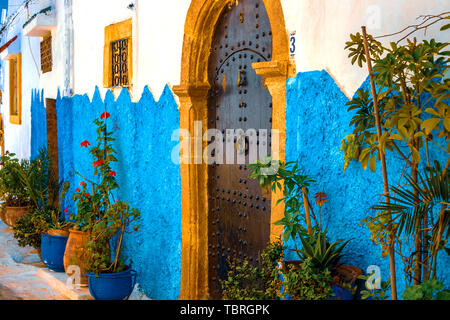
[{"x": 18, "y": 271}]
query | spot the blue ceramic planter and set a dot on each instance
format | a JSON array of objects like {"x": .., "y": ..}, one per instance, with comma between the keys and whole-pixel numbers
[
  {"x": 342, "y": 293},
  {"x": 112, "y": 286},
  {"x": 52, "y": 251}
]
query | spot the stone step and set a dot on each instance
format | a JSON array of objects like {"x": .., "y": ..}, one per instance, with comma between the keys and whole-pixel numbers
[{"x": 58, "y": 281}]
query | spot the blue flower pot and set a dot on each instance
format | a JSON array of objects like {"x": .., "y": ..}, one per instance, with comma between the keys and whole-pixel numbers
[
  {"x": 342, "y": 293},
  {"x": 52, "y": 251},
  {"x": 112, "y": 286}
]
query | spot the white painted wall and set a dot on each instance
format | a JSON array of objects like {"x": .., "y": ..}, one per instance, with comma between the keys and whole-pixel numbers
[
  {"x": 17, "y": 137},
  {"x": 158, "y": 28},
  {"x": 322, "y": 26}
]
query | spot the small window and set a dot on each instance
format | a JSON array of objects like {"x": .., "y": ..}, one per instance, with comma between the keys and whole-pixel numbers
[
  {"x": 46, "y": 54},
  {"x": 15, "y": 89},
  {"x": 117, "y": 55},
  {"x": 120, "y": 63}
]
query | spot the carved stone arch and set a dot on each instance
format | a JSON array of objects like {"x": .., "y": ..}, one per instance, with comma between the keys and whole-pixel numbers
[{"x": 192, "y": 92}]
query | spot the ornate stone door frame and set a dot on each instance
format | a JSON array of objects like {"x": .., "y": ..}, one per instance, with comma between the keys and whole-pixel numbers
[{"x": 192, "y": 92}]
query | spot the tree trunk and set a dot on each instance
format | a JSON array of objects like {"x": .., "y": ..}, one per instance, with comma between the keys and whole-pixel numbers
[{"x": 383, "y": 161}]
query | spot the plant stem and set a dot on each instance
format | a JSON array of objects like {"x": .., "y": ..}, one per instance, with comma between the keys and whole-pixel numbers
[
  {"x": 382, "y": 158},
  {"x": 307, "y": 216},
  {"x": 440, "y": 222}
]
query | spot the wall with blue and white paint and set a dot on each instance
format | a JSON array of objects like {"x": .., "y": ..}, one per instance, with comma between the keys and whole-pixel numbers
[
  {"x": 147, "y": 177},
  {"x": 317, "y": 121}
]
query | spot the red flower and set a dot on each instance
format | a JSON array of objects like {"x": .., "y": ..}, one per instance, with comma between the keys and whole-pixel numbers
[
  {"x": 112, "y": 173},
  {"x": 85, "y": 143},
  {"x": 6, "y": 152},
  {"x": 105, "y": 115},
  {"x": 98, "y": 163},
  {"x": 77, "y": 190},
  {"x": 65, "y": 210},
  {"x": 82, "y": 183},
  {"x": 88, "y": 194},
  {"x": 320, "y": 198}
]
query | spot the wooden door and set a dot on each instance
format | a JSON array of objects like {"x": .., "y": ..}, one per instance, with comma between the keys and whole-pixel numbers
[{"x": 239, "y": 214}]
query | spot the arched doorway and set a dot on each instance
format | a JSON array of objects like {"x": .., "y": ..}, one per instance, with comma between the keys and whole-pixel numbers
[
  {"x": 240, "y": 109},
  {"x": 193, "y": 91}
]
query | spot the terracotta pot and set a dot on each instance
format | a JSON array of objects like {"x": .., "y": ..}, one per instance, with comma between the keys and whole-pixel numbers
[
  {"x": 58, "y": 233},
  {"x": 11, "y": 214},
  {"x": 346, "y": 274},
  {"x": 72, "y": 254},
  {"x": 2, "y": 214}
]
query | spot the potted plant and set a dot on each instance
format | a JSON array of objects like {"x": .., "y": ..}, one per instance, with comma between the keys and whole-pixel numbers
[
  {"x": 110, "y": 280},
  {"x": 46, "y": 219},
  {"x": 316, "y": 249},
  {"x": 16, "y": 202},
  {"x": 102, "y": 217},
  {"x": 256, "y": 280}
]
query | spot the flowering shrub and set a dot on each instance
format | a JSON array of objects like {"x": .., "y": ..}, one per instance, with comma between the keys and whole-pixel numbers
[{"x": 99, "y": 212}]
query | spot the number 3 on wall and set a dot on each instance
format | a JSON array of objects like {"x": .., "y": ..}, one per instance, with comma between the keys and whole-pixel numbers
[{"x": 292, "y": 44}]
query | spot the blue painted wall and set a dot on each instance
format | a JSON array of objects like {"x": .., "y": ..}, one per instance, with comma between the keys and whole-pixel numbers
[
  {"x": 317, "y": 121},
  {"x": 38, "y": 123},
  {"x": 148, "y": 178}
]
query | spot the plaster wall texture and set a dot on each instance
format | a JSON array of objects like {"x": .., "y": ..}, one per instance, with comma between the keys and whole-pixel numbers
[
  {"x": 317, "y": 121},
  {"x": 148, "y": 178},
  {"x": 18, "y": 137},
  {"x": 323, "y": 26},
  {"x": 157, "y": 42},
  {"x": 38, "y": 123}
]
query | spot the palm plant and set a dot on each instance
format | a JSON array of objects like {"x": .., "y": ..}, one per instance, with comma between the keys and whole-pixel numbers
[{"x": 419, "y": 200}]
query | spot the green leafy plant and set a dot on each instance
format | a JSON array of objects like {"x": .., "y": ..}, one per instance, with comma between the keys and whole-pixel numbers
[
  {"x": 100, "y": 214},
  {"x": 41, "y": 186},
  {"x": 246, "y": 281},
  {"x": 428, "y": 290},
  {"x": 12, "y": 191},
  {"x": 287, "y": 178},
  {"x": 305, "y": 282},
  {"x": 412, "y": 94},
  {"x": 322, "y": 254},
  {"x": 25, "y": 231},
  {"x": 409, "y": 204}
]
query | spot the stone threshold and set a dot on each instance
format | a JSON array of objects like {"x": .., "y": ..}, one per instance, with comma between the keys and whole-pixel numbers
[{"x": 58, "y": 282}]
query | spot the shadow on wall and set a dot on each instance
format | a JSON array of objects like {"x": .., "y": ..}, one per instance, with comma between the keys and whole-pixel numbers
[
  {"x": 317, "y": 121},
  {"x": 147, "y": 177}
]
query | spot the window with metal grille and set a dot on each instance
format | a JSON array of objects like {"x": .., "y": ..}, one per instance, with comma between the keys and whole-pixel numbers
[
  {"x": 14, "y": 110},
  {"x": 120, "y": 63},
  {"x": 15, "y": 89},
  {"x": 46, "y": 55}
]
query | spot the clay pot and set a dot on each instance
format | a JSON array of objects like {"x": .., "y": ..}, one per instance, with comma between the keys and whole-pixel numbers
[
  {"x": 2, "y": 214},
  {"x": 74, "y": 247},
  {"x": 58, "y": 233},
  {"x": 11, "y": 214}
]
